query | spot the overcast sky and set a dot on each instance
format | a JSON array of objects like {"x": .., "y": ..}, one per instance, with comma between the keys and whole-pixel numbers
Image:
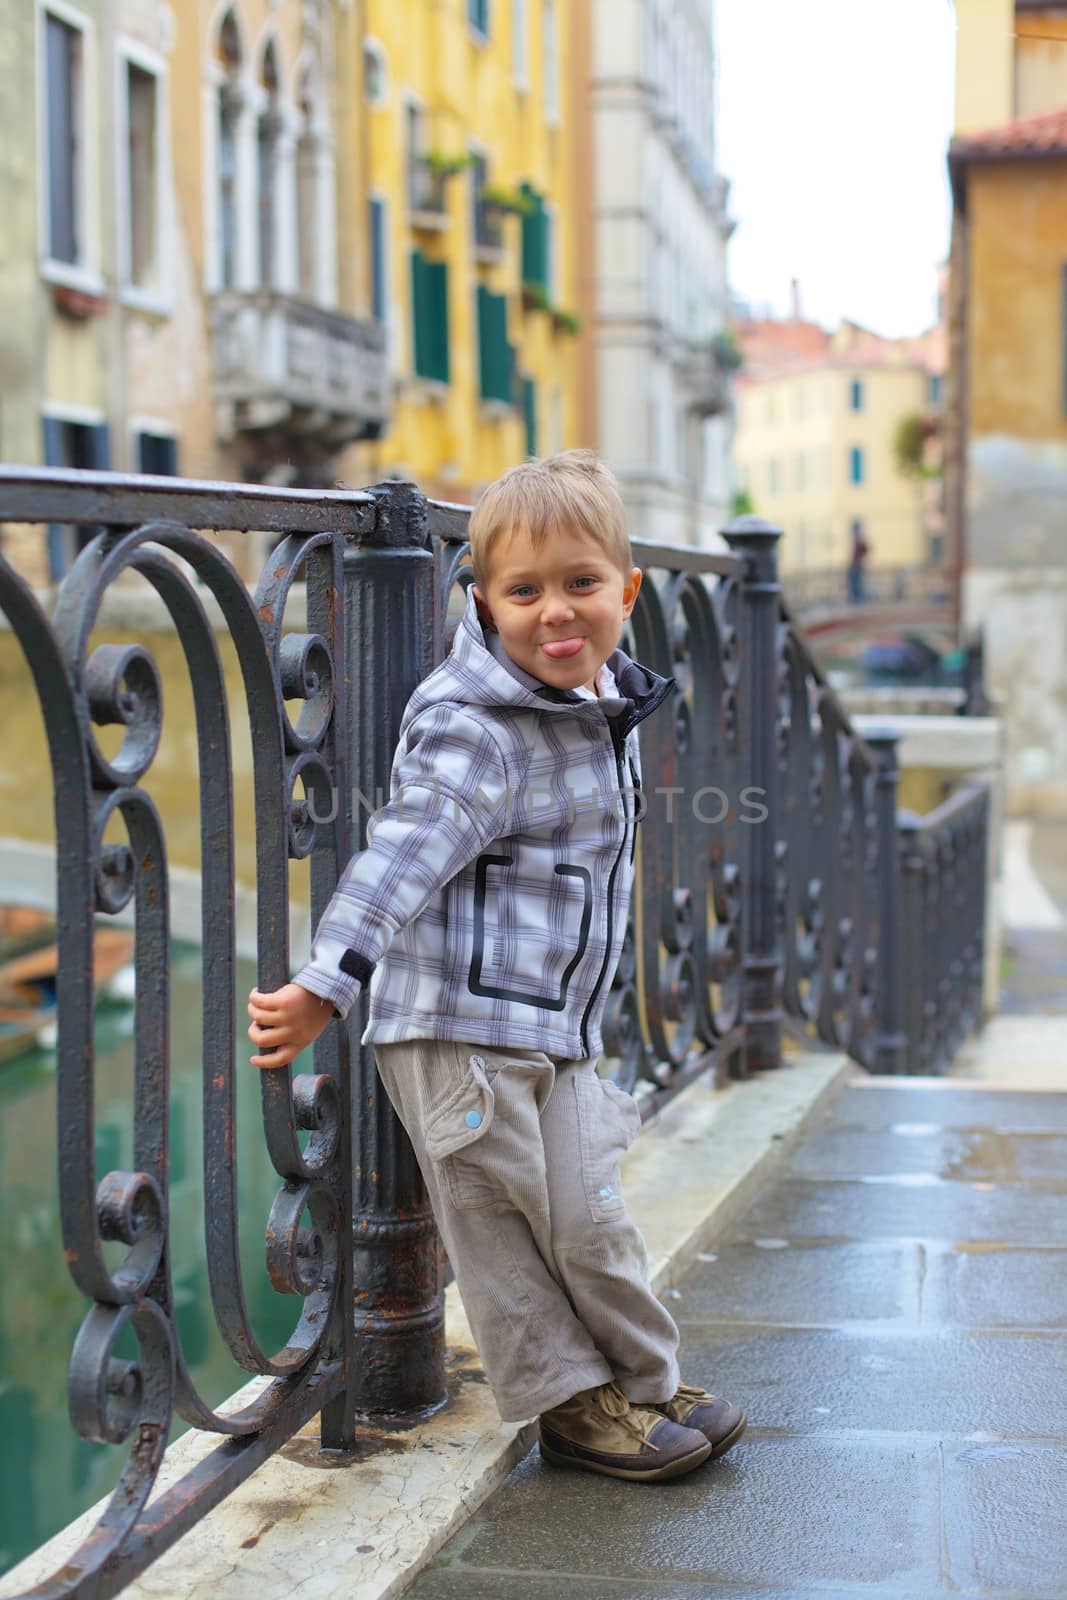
[{"x": 834, "y": 116}]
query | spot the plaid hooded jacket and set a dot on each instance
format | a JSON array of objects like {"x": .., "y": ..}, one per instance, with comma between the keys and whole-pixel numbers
[{"x": 491, "y": 900}]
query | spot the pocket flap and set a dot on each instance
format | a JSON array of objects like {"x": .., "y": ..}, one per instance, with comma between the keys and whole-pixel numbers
[
  {"x": 466, "y": 1113},
  {"x": 626, "y": 1106}
]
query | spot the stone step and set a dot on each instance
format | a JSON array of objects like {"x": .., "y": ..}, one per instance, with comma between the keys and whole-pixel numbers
[{"x": 1021, "y": 1052}]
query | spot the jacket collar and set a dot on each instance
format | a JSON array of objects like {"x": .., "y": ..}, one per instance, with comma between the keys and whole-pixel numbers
[{"x": 489, "y": 676}]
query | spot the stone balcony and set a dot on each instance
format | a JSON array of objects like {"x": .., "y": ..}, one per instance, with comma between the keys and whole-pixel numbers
[
  {"x": 706, "y": 369},
  {"x": 293, "y": 370}
]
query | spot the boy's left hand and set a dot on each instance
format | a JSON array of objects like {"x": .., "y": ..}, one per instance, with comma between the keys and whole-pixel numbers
[{"x": 286, "y": 1022}]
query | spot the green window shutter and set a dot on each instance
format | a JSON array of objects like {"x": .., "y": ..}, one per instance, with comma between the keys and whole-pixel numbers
[
  {"x": 438, "y": 296},
  {"x": 494, "y": 352},
  {"x": 535, "y": 241},
  {"x": 529, "y": 407},
  {"x": 429, "y": 306}
]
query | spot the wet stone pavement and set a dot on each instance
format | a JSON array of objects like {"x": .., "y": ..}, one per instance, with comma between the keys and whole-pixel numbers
[{"x": 892, "y": 1314}]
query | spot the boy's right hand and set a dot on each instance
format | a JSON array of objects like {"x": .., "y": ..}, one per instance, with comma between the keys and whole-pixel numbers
[{"x": 286, "y": 1022}]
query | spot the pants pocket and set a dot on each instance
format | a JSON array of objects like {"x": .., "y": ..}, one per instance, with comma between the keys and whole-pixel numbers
[
  {"x": 459, "y": 1120},
  {"x": 608, "y": 1124}
]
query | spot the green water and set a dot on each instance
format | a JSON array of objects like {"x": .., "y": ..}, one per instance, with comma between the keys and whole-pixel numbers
[{"x": 48, "y": 1475}]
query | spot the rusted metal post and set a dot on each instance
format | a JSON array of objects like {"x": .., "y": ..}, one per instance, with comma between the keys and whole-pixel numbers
[
  {"x": 398, "y": 1306},
  {"x": 757, "y": 542},
  {"x": 890, "y": 1043},
  {"x": 913, "y": 965}
]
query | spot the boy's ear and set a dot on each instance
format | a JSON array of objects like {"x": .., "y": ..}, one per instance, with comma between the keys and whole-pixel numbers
[
  {"x": 484, "y": 612},
  {"x": 630, "y": 590}
]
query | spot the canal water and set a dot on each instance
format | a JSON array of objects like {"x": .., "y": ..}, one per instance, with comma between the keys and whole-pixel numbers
[{"x": 48, "y": 1475}]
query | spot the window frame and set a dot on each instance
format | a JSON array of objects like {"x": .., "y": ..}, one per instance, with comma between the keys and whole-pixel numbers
[
  {"x": 520, "y": 45},
  {"x": 550, "y": 63},
  {"x": 66, "y": 539},
  {"x": 84, "y": 274},
  {"x": 152, "y": 428},
  {"x": 374, "y": 47},
  {"x": 160, "y": 298}
]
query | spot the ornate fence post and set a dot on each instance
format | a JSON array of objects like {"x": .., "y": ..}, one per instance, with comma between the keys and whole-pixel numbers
[
  {"x": 912, "y": 943},
  {"x": 399, "y": 1314},
  {"x": 756, "y": 542},
  {"x": 890, "y": 1039}
]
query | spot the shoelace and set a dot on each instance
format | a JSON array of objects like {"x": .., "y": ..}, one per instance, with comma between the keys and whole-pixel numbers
[{"x": 611, "y": 1400}]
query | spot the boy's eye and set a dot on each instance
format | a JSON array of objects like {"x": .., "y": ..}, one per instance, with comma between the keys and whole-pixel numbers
[{"x": 521, "y": 588}]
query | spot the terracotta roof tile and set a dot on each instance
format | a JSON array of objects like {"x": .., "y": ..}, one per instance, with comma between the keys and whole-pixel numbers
[{"x": 1026, "y": 136}]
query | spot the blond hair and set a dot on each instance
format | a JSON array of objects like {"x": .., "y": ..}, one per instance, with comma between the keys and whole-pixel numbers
[{"x": 573, "y": 490}]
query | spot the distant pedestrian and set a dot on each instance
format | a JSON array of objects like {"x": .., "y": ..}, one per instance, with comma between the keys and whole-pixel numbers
[
  {"x": 856, "y": 564},
  {"x": 493, "y": 938}
]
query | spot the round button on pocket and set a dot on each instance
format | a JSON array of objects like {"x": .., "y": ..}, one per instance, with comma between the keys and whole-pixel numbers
[{"x": 473, "y": 1119}]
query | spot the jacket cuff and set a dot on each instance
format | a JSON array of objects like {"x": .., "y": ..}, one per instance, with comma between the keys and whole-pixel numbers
[{"x": 340, "y": 990}]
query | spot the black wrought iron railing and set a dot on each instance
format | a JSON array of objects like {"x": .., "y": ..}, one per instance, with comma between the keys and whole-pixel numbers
[{"x": 769, "y": 898}]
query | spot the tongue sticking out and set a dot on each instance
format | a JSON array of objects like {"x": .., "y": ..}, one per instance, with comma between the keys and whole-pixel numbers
[{"x": 559, "y": 649}]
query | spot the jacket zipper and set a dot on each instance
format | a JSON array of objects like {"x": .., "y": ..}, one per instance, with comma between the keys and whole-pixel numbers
[{"x": 619, "y": 748}]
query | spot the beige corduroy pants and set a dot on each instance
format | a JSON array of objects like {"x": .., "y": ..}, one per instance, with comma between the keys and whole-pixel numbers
[{"x": 520, "y": 1154}]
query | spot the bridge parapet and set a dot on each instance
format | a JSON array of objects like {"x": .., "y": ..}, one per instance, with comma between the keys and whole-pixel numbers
[{"x": 770, "y": 898}]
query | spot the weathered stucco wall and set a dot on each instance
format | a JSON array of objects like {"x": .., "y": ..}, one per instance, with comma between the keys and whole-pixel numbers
[{"x": 1016, "y": 464}]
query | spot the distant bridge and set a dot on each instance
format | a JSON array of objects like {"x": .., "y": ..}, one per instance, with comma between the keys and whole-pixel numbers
[{"x": 911, "y": 599}]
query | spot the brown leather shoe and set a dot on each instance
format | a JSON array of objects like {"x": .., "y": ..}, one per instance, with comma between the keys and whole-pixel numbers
[
  {"x": 721, "y": 1423},
  {"x": 600, "y": 1431}
]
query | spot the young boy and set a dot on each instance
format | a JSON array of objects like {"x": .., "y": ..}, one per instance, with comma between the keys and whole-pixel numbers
[{"x": 490, "y": 904}]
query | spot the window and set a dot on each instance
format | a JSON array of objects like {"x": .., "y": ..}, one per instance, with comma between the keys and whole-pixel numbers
[
  {"x": 519, "y": 23},
  {"x": 496, "y": 358},
  {"x": 229, "y": 109},
  {"x": 69, "y": 443},
  {"x": 486, "y": 223},
  {"x": 143, "y": 177},
  {"x": 535, "y": 243},
  {"x": 855, "y": 395},
  {"x": 157, "y": 453},
  {"x": 425, "y": 193},
  {"x": 529, "y": 412},
  {"x": 551, "y": 63},
  {"x": 315, "y": 189},
  {"x": 935, "y": 385},
  {"x": 478, "y": 16},
  {"x": 65, "y": 139},
  {"x": 429, "y": 304},
  {"x": 856, "y": 464},
  {"x": 379, "y": 280},
  {"x": 375, "y": 73},
  {"x": 268, "y": 129}
]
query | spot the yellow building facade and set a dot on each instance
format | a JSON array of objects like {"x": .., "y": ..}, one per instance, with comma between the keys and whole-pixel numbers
[
  {"x": 288, "y": 241},
  {"x": 470, "y": 103},
  {"x": 814, "y": 449},
  {"x": 1006, "y": 413}
]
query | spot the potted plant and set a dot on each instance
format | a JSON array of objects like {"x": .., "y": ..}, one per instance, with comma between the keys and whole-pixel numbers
[
  {"x": 535, "y": 297},
  {"x": 443, "y": 167},
  {"x": 565, "y": 321},
  {"x": 498, "y": 197}
]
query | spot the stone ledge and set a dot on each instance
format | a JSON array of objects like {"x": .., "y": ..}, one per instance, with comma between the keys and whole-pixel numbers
[{"x": 365, "y": 1527}]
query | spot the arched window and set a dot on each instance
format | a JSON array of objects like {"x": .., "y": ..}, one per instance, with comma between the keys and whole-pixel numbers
[
  {"x": 268, "y": 130},
  {"x": 229, "y": 108},
  {"x": 307, "y": 184}
]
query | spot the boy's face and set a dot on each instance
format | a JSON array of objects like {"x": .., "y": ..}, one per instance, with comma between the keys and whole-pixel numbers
[{"x": 559, "y": 611}]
